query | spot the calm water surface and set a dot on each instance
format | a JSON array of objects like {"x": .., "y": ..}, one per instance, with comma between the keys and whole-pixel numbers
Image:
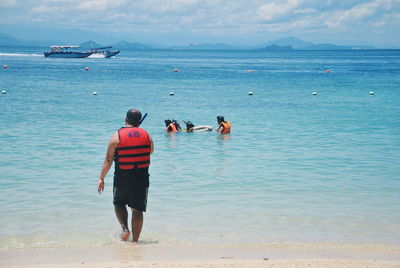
[{"x": 296, "y": 168}]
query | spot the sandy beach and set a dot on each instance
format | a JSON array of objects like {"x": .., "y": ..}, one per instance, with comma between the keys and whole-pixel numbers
[
  {"x": 234, "y": 264},
  {"x": 167, "y": 255}
]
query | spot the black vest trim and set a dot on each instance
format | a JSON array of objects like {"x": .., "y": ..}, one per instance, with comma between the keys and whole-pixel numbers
[
  {"x": 132, "y": 147},
  {"x": 133, "y": 163},
  {"x": 133, "y": 155}
]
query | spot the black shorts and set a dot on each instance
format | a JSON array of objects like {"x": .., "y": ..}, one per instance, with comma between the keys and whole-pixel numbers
[{"x": 134, "y": 198}]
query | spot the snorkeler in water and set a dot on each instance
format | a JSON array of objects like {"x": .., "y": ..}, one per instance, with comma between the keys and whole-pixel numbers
[
  {"x": 224, "y": 127},
  {"x": 172, "y": 125},
  {"x": 190, "y": 127}
]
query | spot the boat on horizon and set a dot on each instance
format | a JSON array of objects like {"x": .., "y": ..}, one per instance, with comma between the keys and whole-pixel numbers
[
  {"x": 66, "y": 52},
  {"x": 103, "y": 52}
]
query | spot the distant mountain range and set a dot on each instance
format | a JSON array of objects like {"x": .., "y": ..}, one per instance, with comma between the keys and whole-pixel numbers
[
  {"x": 276, "y": 47},
  {"x": 119, "y": 45},
  {"x": 215, "y": 46},
  {"x": 291, "y": 43},
  {"x": 8, "y": 40},
  {"x": 287, "y": 43}
]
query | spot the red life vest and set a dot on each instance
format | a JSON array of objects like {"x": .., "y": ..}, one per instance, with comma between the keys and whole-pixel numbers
[
  {"x": 171, "y": 128},
  {"x": 133, "y": 150},
  {"x": 227, "y": 127}
]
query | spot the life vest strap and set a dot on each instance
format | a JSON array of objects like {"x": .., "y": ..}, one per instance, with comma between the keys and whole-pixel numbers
[
  {"x": 133, "y": 155},
  {"x": 132, "y": 147},
  {"x": 133, "y": 163}
]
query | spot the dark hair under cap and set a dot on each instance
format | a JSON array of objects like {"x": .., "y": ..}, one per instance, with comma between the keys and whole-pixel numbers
[
  {"x": 133, "y": 117},
  {"x": 220, "y": 118}
]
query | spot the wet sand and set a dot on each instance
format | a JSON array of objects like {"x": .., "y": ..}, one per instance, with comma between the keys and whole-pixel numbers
[{"x": 203, "y": 255}]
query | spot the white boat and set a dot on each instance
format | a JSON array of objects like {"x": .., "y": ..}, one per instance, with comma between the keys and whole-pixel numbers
[{"x": 66, "y": 52}]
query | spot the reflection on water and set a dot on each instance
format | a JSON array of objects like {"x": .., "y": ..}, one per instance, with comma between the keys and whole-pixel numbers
[
  {"x": 223, "y": 137},
  {"x": 171, "y": 140},
  {"x": 222, "y": 153}
]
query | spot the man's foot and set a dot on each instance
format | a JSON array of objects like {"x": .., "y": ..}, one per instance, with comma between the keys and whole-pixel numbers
[{"x": 125, "y": 233}]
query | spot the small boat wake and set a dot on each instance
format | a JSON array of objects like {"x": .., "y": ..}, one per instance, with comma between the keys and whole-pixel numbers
[
  {"x": 20, "y": 55},
  {"x": 103, "y": 52},
  {"x": 97, "y": 56}
]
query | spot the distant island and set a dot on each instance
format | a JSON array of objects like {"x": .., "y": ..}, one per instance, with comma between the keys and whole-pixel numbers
[
  {"x": 282, "y": 44},
  {"x": 119, "y": 45},
  {"x": 292, "y": 43},
  {"x": 8, "y": 40},
  {"x": 276, "y": 47},
  {"x": 208, "y": 46}
]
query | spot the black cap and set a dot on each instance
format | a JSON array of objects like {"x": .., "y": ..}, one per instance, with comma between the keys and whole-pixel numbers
[
  {"x": 167, "y": 122},
  {"x": 220, "y": 118},
  {"x": 133, "y": 117}
]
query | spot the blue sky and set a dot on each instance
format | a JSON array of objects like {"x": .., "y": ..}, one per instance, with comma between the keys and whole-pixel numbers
[{"x": 171, "y": 22}]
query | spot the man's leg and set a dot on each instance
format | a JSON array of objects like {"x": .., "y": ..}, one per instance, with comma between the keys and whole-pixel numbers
[
  {"x": 122, "y": 216},
  {"x": 137, "y": 223}
]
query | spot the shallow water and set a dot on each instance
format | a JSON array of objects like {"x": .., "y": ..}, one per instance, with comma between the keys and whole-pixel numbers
[{"x": 296, "y": 168}]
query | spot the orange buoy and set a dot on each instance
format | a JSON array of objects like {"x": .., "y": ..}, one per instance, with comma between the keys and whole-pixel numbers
[
  {"x": 250, "y": 71},
  {"x": 328, "y": 71},
  {"x": 87, "y": 68},
  {"x": 5, "y": 66}
]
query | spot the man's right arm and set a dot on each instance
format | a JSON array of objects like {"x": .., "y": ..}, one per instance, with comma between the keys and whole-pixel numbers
[
  {"x": 220, "y": 128},
  {"x": 108, "y": 160}
]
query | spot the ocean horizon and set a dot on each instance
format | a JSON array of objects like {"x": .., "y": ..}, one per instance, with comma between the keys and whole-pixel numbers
[{"x": 313, "y": 157}]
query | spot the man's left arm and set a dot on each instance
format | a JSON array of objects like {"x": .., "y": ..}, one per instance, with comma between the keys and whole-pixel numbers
[{"x": 151, "y": 144}]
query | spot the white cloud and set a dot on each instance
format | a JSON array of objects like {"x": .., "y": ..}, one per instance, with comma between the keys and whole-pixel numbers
[
  {"x": 42, "y": 9},
  {"x": 164, "y": 6},
  {"x": 8, "y": 3},
  {"x": 273, "y": 11},
  {"x": 357, "y": 14},
  {"x": 219, "y": 17},
  {"x": 305, "y": 11},
  {"x": 100, "y": 5}
]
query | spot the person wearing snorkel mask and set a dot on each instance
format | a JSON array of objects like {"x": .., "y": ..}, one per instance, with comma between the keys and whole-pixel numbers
[
  {"x": 172, "y": 126},
  {"x": 191, "y": 128},
  {"x": 224, "y": 127}
]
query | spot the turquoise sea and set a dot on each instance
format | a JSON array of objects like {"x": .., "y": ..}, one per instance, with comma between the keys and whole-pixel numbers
[{"x": 297, "y": 167}]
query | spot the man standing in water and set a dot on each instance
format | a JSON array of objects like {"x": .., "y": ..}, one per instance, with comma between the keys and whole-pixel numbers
[{"x": 130, "y": 147}]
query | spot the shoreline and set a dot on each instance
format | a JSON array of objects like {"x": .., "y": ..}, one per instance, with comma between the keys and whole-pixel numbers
[{"x": 212, "y": 255}]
